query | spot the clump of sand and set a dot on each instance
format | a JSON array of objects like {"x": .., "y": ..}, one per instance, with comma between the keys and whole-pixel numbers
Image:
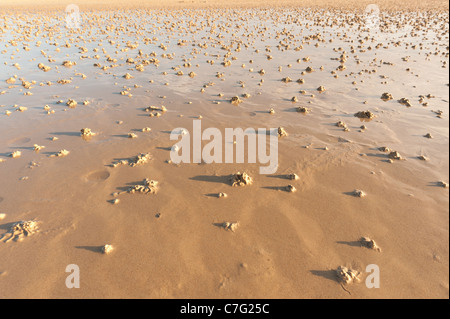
[
  {"x": 346, "y": 275},
  {"x": 387, "y": 96},
  {"x": 303, "y": 109},
  {"x": 239, "y": 179},
  {"x": 439, "y": 113},
  {"x": 359, "y": 193},
  {"x": 155, "y": 111},
  {"x": 132, "y": 135},
  {"x": 395, "y": 155},
  {"x": 37, "y": 148},
  {"x": 235, "y": 100},
  {"x": 282, "y": 132},
  {"x": 232, "y": 226},
  {"x": 44, "y": 67},
  {"x": 152, "y": 108},
  {"x": 369, "y": 243},
  {"x": 61, "y": 153},
  {"x": 11, "y": 80},
  {"x": 64, "y": 81},
  {"x": 16, "y": 154},
  {"x": 443, "y": 184},
  {"x": 291, "y": 189},
  {"x": 342, "y": 125},
  {"x": 148, "y": 187},
  {"x": 21, "y": 109},
  {"x": 69, "y": 63},
  {"x": 107, "y": 249},
  {"x": 71, "y": 103},
  {"x": 384, "y": 149},
  {"x": 20, "y": 230},
  {"x": 365, "y": 115},
  {"x": 27, "y": 84},
  {"x": 86, "y": 132},
  {"x": 405, "y": 101},
  {"x": 139, "y": 159}
]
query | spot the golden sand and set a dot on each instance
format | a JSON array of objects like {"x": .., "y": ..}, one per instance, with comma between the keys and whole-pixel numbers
[{"x": 361, "y": 113}]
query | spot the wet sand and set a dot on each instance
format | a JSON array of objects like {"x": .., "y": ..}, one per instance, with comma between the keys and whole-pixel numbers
[{"x": 181, "y": 239}]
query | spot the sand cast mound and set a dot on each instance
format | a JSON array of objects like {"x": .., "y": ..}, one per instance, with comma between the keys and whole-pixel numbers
[
  {"x": 346, "y": 275},
  {"x": 149, "y": 187},
  {"x": 20, "y": 230},
  {"x": 239, "y": 179}
]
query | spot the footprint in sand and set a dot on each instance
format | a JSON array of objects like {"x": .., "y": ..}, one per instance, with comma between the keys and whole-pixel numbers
[{"x": 98, "y": 176}]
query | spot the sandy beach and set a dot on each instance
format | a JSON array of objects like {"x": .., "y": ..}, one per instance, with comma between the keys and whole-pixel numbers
[{"x": 86, "y": 115}]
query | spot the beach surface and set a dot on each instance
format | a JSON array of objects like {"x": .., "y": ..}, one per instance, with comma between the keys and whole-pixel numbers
[{"x": 364, "y": 102}]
